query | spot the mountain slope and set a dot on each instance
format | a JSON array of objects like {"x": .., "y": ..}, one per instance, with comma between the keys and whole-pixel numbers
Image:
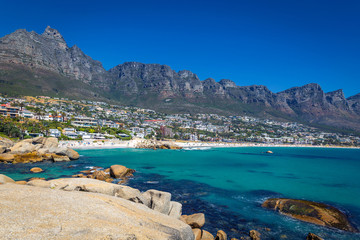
[
  {"x": 34, "y": 64},
  {"x": 45, "y": 64}
]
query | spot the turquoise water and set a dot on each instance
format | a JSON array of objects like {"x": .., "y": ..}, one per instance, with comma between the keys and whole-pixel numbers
[{"x": 233, "y": 182}]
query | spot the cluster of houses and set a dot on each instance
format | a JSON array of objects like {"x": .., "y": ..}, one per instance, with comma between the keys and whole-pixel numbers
[
  {"x": 143, "y": 123},
  {"x": 72, "y": 133}
]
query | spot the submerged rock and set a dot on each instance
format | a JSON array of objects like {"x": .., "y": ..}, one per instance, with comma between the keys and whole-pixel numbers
[
  {"x": 254, "y": 235},
  {"x": 36, "y": 170},
  {"x": 81, "y": 215},
  {"x": 313, "y": 212},
  {"x": 312, "y": 236}
]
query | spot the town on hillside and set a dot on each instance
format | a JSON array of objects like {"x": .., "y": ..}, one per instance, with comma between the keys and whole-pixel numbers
[{"x": 28, "y": 117}]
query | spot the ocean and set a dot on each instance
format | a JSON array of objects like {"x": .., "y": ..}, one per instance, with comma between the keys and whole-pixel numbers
[{"x": 229, "y": 184}]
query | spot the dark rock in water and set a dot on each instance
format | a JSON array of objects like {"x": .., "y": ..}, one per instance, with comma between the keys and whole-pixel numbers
[
  {"x": 313, "y": 212},
  {"x": 312, "y": 236},
  {"x": 221, "y": 235},
  {"x": 254, "y": 235},
  {"x": 148, "y": 167},
  {"x": 119, "y": 171}
]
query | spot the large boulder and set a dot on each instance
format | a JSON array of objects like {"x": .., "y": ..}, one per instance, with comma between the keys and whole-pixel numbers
[
  {"x": 313, "y": 212},
  {"x": 5, "y": 179},
  {"x": 196, "y": 220},
  {"x": 51, "y": 142},
  {"x": 72, "y": 154},
  {"x": 119, "y": 171},
  {"x": 22, "y": 147},
  {"x": 7, "y": 157},
  {"x": 158, "y": 200},
  {"x": 39, "y": 140},
  {"x": 80, "y": 215},
  {"x": 6, "y": 142},
  {"x": 64, "y": 151},
  {"x": 175, "y": 209}
]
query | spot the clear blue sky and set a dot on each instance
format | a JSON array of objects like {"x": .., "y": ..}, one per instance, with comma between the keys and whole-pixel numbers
[{"x": 275, "y": 43}]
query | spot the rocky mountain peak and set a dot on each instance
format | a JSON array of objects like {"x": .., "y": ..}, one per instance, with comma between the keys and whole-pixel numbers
[
  {"x": 209, "y": 81},
  {"x": 53, "y": 34},
  {"x": 76, "y": 49},
  {"x": 355, "y": 97},
  {"x": 227, "y": 83},
  {"x": 337, "y": 93},
  {"x": 312, "y": 86},
  {"x": 187, "y": 74},
  {"x": 149, "y": 85}
]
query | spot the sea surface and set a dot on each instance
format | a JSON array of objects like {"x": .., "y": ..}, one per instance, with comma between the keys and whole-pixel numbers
[{"x": 229, "y": 184}]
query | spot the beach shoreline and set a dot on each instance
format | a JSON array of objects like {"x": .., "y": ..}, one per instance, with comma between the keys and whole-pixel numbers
[{"x": 113, "y": 144}]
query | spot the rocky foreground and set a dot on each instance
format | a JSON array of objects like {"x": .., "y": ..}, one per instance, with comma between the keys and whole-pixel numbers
[
  {"x": 34, "y": 150},
  {"x": 87, "y": 209}
]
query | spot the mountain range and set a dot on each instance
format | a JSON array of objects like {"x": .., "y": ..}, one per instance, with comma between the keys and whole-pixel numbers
[{"x": 43, "y": 64}]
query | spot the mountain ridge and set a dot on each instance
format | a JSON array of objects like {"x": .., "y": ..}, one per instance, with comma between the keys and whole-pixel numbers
[{"x": 30, "y": 58}]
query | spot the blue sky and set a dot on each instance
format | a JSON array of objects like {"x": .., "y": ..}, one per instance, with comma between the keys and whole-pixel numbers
[{"x": 276, "y": 43}]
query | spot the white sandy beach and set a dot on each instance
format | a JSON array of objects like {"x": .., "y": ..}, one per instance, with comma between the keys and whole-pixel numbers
[{"x": 115, "y": 143}]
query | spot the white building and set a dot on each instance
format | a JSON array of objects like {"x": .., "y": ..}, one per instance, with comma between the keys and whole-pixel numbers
[
  {"x": 84, "y": 122},
  {"x": 55, "y": 133}
]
